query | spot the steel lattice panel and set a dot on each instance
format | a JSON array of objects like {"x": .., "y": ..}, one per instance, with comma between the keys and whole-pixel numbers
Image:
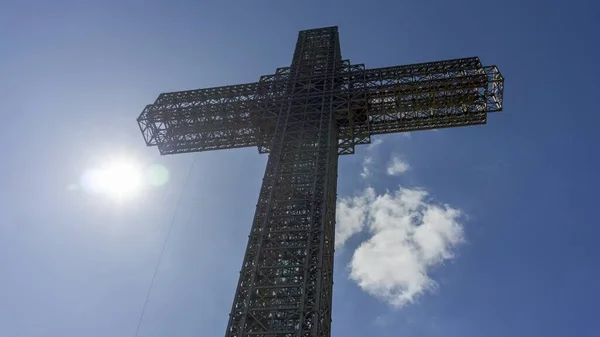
[
  {"x": 432, "y": 95},
  {"x": 201, "y": 120}
]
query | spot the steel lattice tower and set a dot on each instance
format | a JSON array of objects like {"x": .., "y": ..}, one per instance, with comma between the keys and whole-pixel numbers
[{"x": 305, "y": 116}]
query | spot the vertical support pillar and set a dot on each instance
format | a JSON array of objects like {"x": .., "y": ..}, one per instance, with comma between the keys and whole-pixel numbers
[{"x": 286, "y": 280}]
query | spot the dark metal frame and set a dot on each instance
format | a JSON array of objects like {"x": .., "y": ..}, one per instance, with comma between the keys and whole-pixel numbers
[{"x": 305, "y": 116}]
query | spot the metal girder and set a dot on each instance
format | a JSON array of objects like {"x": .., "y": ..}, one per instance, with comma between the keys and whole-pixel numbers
[
  {"x": 432, "y": 95},
  {"x": 305, "y": 116},
  {"x": 201, "y": 120}
]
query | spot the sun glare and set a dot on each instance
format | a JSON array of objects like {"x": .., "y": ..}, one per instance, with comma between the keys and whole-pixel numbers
[
  {"x": 121, "y": 178},
  {"x": 117, "y": 179}
]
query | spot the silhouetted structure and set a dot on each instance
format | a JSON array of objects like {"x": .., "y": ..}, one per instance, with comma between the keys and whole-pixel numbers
[{"x": 305, "y": 116}]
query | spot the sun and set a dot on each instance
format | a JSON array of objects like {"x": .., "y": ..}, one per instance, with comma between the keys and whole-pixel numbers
[
  {"x": 121, "y": 178},
  {"x": 118, "y": 179}
]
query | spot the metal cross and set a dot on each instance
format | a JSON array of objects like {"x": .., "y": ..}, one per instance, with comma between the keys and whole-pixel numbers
[{"x": 305, "y": 116}]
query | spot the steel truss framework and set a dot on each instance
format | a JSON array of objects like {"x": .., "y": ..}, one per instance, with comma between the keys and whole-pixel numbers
[{"x": 305, "y": 116}]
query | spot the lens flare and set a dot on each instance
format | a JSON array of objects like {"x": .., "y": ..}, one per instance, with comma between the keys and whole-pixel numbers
[{"x": 157, "y": 175}]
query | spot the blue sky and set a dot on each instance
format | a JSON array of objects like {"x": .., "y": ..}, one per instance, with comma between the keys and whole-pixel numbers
[{"x": 74, "y": 75}]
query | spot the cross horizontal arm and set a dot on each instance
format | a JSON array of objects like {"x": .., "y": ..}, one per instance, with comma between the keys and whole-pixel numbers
[
  {"x": 432, "y": 95},
  {"x": 201, "y": 120}
]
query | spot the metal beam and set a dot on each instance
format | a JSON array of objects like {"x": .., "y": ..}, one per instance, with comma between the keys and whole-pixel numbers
[{"x": 201, "y": 120}]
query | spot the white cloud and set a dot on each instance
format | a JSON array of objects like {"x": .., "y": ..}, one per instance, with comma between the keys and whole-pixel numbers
[
  {"x": 397, "y": 166},
  {"x": 409, "y": 235},
  {"x": 350, "y": 214},
  {"x": 368, "y": 160},
  {"x": 374, "y": 144},
  {"x": 382, "y": 321},
  {"x": 366, "y": 167}
]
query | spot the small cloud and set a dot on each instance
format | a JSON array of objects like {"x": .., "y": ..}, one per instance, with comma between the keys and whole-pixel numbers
[
  {"x": 409, "y": 235},
  {"x": 366, "y": 167},
  {"x": 382, "y": 321},
  {"x": 368, "y": 160},
  {"x": 374, "y": 144},
  {"x": 396, "y": 166}
]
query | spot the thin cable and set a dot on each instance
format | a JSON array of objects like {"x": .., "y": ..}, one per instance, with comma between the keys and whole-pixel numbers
[{"x": 162, "y": 250}]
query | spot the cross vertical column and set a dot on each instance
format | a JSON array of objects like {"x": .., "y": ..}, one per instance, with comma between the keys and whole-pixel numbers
[{"x": 285, "y": 285}]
